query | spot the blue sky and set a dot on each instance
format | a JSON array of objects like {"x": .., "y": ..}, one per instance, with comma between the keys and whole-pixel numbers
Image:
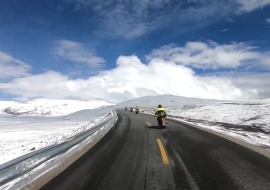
[{"x": 82, "y": 40}]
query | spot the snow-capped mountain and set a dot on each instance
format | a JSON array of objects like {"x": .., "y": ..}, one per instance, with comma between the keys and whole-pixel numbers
[
  {"x": 164, "y": 100},
  {"x": 63, "y": 107},
  {"x": 49, "y": 107}
]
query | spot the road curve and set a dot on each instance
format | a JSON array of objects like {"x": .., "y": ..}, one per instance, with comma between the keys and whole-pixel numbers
[{"x": 135, "y": 154}]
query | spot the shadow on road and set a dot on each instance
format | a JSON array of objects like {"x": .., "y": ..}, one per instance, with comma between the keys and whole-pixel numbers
[{"x": 153, "y": 127}]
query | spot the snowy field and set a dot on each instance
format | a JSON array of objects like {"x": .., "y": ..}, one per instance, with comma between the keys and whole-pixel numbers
[
  {"x": 29, "y": 126},
  {"x": 248, "y": 121},
  {"x": 24, "y": 132},
  {"x": 26, "y": 127}
]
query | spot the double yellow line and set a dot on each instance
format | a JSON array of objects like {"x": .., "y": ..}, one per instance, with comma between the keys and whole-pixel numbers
[{"x": 162, "y": 150}]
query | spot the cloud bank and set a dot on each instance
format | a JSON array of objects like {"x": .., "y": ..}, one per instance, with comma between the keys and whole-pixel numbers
[
  {"x": 213, "y": 55},
  {"x": 168, "y": 70}
]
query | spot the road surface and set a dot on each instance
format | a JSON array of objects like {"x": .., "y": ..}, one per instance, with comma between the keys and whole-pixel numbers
[{"x": 135, "y": 154}]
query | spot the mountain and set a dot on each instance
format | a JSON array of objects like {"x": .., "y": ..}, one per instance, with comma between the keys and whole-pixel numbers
[
  {"x": 48, "y": 107},
  {"x": 165, "y": 101},
  {"x": 64, "y": 107}
]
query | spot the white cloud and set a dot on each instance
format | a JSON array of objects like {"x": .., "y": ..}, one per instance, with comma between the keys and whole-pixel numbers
[
  {"x": 76, "y": 52},
  {"x": 11, "y": 67},
  {"x": 131, "y": 78},
  {"x": 256, "y": 82},
  {"x": 250, "y": 5},
  {"x": 268, "y": 20},
  {"x": 213, "y": 55}
]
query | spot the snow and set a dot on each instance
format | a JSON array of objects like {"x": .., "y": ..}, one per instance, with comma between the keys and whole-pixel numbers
[
  {"x": 23, "y": 134},
  {"x": 164, "y": 100},
  {"x": 26, "y": 127},
  {"x": 58, "y": 161},
  {"x": 30, "y": 126},
  {"x": 48, "y": 107},
  {"x": 248, "y": 121}
]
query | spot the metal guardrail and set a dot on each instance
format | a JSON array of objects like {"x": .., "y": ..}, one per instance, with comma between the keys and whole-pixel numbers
[{"x": 24, "y": 164}]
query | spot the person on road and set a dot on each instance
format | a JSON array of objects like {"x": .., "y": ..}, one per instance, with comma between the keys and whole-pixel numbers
[
  {"x": 137, "y": 109},
  {"x": 160, "y": 113}
]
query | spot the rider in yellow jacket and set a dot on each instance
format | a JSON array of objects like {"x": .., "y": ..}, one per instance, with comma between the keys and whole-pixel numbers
[
  {"x": 160, "y": 109},
  {"x": 159, "y": 112}
]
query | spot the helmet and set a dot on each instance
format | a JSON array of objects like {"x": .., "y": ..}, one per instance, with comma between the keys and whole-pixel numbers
[{"x": 159, "y": 106}]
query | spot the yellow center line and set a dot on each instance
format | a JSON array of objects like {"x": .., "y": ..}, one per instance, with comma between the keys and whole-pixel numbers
[
  {"x": 163, "y": 152},
  {"x": 148, "y": 123}
]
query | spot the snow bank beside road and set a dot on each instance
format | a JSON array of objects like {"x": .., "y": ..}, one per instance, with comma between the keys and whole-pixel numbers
[
  {"x": 23, "y": 134},
  {"x": 46, "y": 171}
]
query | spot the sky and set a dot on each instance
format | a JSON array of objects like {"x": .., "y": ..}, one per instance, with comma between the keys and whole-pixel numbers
[{"x": 117, "y": 50}]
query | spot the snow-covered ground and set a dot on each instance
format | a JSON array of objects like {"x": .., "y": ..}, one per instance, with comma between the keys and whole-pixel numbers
[
  {"x": 60, "y": 161},
  {"x": 24, "y": 127},
  {"x": 248, "y": 121},
  {"x": 21, "y": 134}
]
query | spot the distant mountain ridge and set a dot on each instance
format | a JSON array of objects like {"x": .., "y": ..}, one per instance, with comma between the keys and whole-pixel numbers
[
  {"x": 48, "y": 107},
  {"x": 165, "y": 101},
  {"x": 63, "y": 107}
]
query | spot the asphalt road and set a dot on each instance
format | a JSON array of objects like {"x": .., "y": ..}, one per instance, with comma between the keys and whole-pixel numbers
[{"x": 137, "y": 155}]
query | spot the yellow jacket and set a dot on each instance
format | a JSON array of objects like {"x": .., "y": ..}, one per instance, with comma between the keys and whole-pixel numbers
[{"x": 160, "y": 110}]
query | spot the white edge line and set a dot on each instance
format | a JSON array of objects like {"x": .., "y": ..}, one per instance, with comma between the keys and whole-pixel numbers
[{"x": 190, "y": 179}]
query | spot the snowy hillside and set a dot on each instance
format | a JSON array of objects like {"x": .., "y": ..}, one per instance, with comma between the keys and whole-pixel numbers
[
  {"x": 165, "y": 100},
  {"x": 48, "y": 107}
]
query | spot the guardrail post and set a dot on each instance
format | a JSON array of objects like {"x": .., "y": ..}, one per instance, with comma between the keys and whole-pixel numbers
[
  {"x": 26, "y": 177},
  {"x": 62, "y": 160},
  {"x": 30, "y": 179},
  {"x": 81, "y": 146},
  {"x": 22, "y": 181}
]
